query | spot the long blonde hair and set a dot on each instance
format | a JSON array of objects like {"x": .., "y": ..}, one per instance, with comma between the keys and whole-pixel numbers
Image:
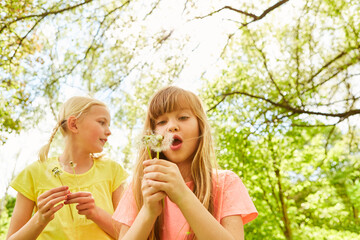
[
  {"x": 75, "y": 106},
  {"x": 167, "y": 100}
]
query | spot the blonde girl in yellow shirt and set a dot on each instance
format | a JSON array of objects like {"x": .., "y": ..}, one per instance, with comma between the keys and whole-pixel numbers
[{"x": 71, "y": 196}]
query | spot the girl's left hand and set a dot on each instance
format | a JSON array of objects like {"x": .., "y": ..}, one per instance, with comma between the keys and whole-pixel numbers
[
  {"x": 165, "y": 176},
  {"x": 85, "y": 204}
]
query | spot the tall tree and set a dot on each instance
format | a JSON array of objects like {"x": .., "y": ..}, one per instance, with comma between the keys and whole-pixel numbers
[
  {"x": 100, "y": 47},
  {"x": 289, "y": 81},
  {"x": 303, "y": 63}
]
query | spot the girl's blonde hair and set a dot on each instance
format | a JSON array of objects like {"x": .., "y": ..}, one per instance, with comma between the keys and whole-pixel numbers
[
  {"x": 75, "y": 106},
  {"x": 164, "y": 101}
]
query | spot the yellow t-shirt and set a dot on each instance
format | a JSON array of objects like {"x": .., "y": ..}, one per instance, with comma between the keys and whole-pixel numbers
[{"x": 101, "y": 180}]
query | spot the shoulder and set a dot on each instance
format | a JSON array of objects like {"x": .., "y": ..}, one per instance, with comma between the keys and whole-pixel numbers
[
  {"x": 225, "y": 176},
  {"x": 107, "y": 162},
  {"x": 226, "y": 180},
  {"x": 38, "y": 166},
  {"x": 108, "y": 165}
]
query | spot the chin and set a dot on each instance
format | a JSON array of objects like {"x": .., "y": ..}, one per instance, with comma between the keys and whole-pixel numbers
[{"x": 98, "y": 150}]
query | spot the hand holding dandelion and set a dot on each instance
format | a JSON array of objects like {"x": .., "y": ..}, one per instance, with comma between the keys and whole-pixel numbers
[
  {"x": 157, "y": 143},
  {"x": 49, "y": 202}
]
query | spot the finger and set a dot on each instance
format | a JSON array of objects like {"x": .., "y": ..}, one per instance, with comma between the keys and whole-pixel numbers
[
  {"x": 156, "y": 176},
  {"x": 80, "y": 200},
  {"x": 53, "y": 210},
  {"x": 156, "y": 168},
  {"x": 82, "y": 207},
  {"x": 150, "y": 188},
  {"x": 156, "y": 197},
  {"x": 51, "y": 200},
  {"x": 84, "y": 212},
  {"x": 63, "y": 190},
  {"x": 156, "y": 184},
  {"x": 79, "y": 195},
  {"x": 50, "y": 204},
  {"x": 157, "y": 162}
]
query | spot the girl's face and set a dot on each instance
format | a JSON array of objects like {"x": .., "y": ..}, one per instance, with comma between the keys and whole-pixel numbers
[
  {"x": 93, "y": 129},
  {"x": 185, "y": 127}
]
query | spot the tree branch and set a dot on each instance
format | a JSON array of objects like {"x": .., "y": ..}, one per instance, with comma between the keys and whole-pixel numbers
[
  {"x": 251, "y": 15},
  {"x": 287, "y": 107},
  {"x": 43, "y": 15}
]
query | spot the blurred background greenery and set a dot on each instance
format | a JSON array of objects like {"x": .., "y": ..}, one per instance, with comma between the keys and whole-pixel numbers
[{"x": 280, "y": 80}]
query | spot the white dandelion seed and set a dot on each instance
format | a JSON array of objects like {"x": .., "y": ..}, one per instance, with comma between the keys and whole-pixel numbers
[{"x": 157, "y": 142}]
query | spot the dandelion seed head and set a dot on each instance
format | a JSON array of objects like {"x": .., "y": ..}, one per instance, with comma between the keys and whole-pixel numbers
[
  {"x": 167, "y": 141},
  {"x": 161, "y": 143},
  {"x": 72, "y": 164},
  {"x": 56, "y": 171}
]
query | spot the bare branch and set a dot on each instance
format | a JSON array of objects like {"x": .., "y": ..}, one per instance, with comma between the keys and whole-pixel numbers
[
  {"x": 265, "y": 63},
  {"x": 251, "y": 15},
  {"x": 326, "y": 65},
  {"x": 44, "y": 14},
  {"x": 289, "y": 108},
  {"x": 152, "y": 9}
]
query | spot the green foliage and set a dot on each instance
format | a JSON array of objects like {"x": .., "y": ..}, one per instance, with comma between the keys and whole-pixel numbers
[
  {"x": 10, "y": 204},
  {"x": 287, "y": 83},
  {"x": 5, "y": 214}
]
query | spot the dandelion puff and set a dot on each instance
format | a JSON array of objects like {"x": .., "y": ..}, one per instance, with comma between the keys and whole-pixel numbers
[
  {"x": 167, "y": 141},
  {"x": 157, "y": 142},
  {"x": 72, "y": 164},
  {"x": 57, "y": 172}
]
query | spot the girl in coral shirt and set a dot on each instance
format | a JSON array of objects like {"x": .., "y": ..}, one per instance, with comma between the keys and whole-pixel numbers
[{"x": 179, "y": 194}]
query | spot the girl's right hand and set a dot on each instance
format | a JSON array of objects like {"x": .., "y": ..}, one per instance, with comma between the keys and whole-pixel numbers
[
  {"x": 152, "y": 199},
  {"x": 48, "y": 203}
]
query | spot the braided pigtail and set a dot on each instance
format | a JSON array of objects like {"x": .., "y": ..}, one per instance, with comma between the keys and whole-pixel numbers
[{"x": 44, "y": 151}]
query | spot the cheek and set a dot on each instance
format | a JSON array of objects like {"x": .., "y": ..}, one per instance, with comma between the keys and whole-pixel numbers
[
  {"x": 94, "y": 132},
  {"x": 160, "y": 130}
]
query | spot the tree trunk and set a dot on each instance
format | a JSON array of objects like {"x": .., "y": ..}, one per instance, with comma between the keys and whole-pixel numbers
[{"x": 287, "y": 228}]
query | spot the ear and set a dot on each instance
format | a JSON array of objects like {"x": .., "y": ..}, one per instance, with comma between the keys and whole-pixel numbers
[{"x": 72, "y": 124}]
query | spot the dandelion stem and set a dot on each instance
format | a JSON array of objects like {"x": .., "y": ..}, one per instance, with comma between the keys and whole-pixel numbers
[
  {"x": 72, "y": 216},
  {"x": 73, "y": 168},
  {"x": 56, "y": 171},
  {"x": 147, "y": 147}
]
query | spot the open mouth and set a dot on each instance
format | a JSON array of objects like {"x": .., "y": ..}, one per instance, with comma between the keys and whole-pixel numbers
[
  {"x": 177, "y": 142},
  {"x": 103, "y": 140}
]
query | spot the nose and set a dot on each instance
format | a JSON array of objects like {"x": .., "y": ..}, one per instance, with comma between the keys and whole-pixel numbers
[
  {"x": 107, "y": 132},
  {"x": 173, "y": 126}
]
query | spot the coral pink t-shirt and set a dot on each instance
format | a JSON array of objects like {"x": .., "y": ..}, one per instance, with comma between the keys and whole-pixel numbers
[{"x": 230, "y": 198}]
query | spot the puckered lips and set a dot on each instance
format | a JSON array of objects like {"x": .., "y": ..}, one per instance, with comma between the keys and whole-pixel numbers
[{"x": 177, "y": 142}]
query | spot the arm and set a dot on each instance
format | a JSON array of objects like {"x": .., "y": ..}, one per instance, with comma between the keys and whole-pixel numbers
[
  {"x": 146, "y": 218},
  {"x": 86, "y": 206},
  {"x": 165, "y": 176},
  {"x": 23, "y": 226},
  {"x": 204, "y": 225}
]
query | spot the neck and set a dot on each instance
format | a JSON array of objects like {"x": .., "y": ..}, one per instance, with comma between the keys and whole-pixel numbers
[
  {"x": 82, "y": 160},
  {"x": 185, "y": 170}
]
